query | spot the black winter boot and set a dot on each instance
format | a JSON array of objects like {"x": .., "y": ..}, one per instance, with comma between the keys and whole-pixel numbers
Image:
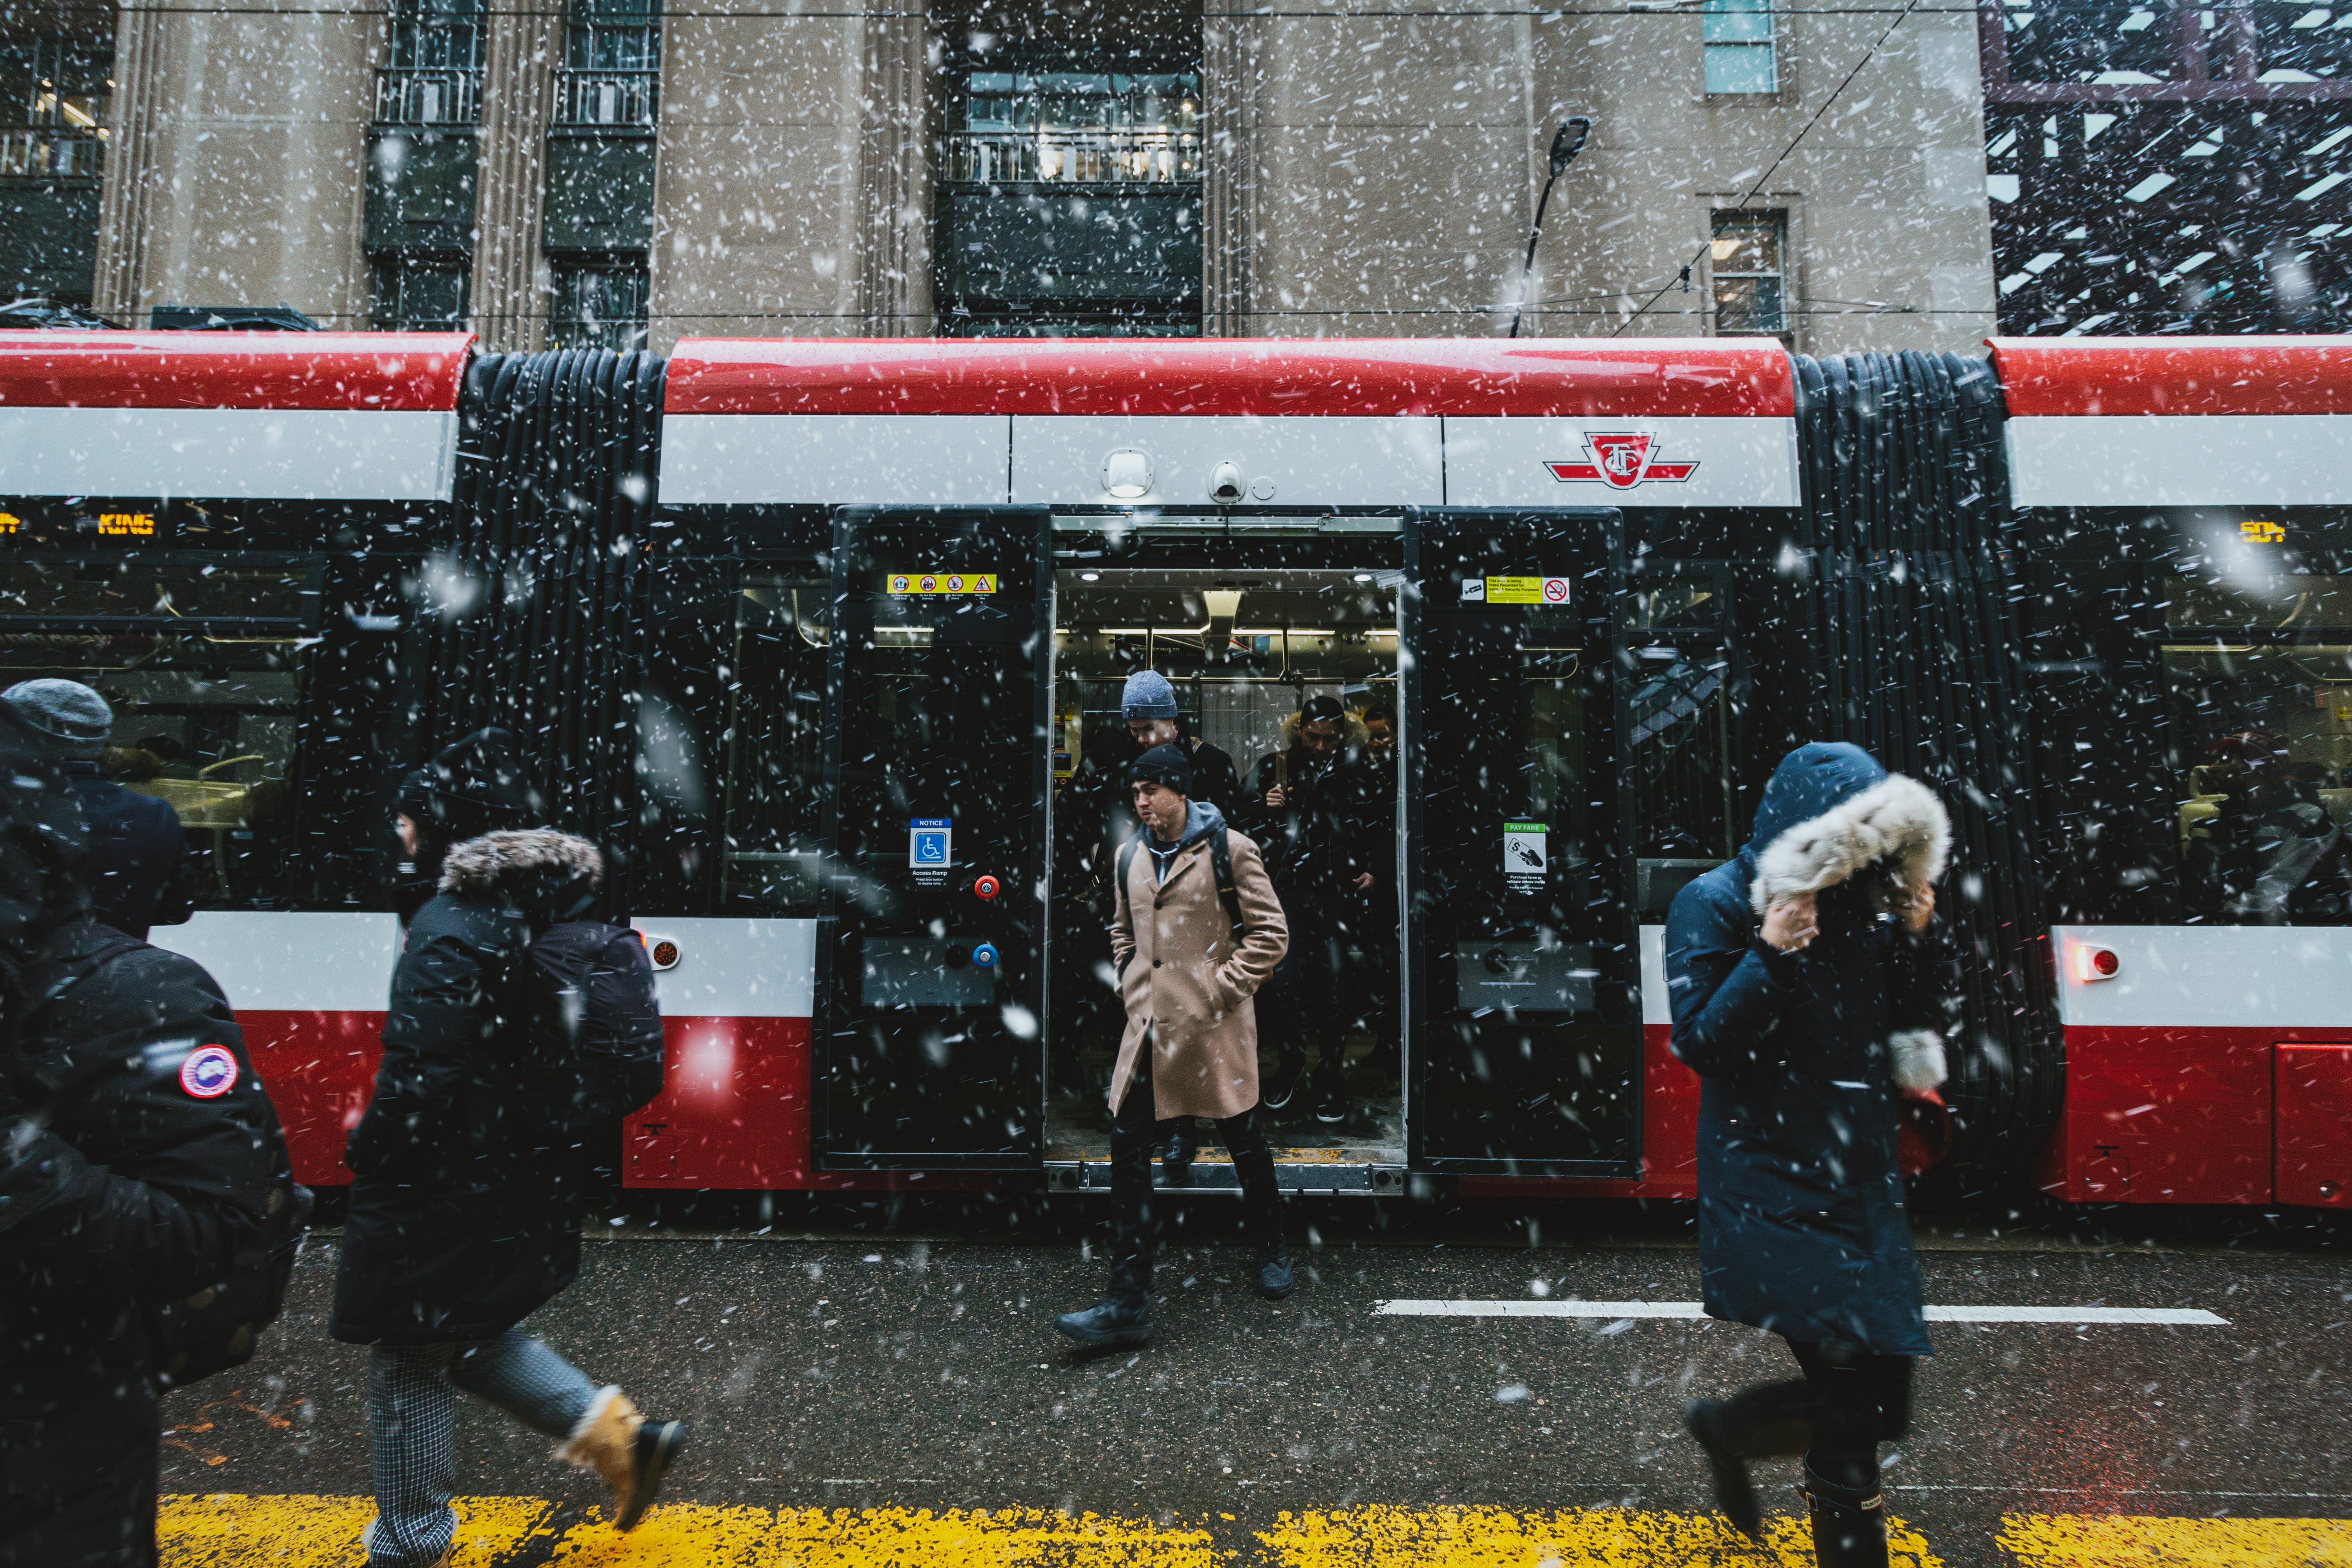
[
  {"x": 1114, "y": 1320},
  {"x": 1849, "y": 1523},
  {"x": 1176, "y": 1157},
  {"x": 1274, "y": 1281},
  {"x": 1762, "y": 1423}
]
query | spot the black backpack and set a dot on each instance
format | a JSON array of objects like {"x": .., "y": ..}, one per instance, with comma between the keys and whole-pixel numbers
[
  {"x": 1221, "y": 861},
  {"x": 220, "y": 1326},
  {"x": 605, "y": 1023}
]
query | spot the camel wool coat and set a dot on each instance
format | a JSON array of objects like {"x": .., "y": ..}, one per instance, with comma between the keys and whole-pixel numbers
[{"x": 1187, "y": 985}]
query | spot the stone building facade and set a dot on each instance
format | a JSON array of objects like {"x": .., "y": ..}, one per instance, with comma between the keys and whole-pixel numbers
[{"x": 573, "y": 171}]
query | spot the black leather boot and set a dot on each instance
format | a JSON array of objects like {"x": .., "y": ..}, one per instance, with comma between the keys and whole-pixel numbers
[
  {"x": 1274, "y": 1279},
  {"x": 1112, "y": 1322},
  {"x": 1770, "y": 1422},
  {"x": 1849, "y": 1523}
]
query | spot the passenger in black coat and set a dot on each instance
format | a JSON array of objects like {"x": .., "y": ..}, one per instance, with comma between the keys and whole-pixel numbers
[
  {"x": 1811, "y": 995},
  {"x": 464, "y": 1213},
  {"x": 138, "y": 871},
  {"x": 137, "y": 1160}
]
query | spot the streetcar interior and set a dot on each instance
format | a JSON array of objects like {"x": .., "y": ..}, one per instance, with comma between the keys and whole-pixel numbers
[{"x": 1245, "y": 651}]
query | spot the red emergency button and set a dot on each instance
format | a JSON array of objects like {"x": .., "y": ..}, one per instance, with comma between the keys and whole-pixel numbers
[{"x": 986, "y": 888}]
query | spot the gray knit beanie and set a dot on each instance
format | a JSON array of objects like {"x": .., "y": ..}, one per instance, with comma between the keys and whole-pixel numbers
[
  {"x": 75, "y": 719},
  {"x": 1147, "y": 696}
]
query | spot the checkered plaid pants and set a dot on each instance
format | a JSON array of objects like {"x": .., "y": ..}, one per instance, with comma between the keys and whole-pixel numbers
[{"x": 412, "y": 1429}]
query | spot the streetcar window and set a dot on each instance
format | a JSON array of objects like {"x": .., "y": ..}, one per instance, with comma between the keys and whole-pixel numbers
[
  {"x": 772, "y": 746},
  {"x": 2261, "y": 726},
  {"x": 1678, "y": 729},
  {"x": 203, "y": 669}
]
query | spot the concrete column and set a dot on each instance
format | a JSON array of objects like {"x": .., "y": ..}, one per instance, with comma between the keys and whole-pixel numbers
[
  {"x": 893, "y": 263},
  {"x": 234, "y": 170},
  {"x": 509, "y": 308},
  {"x": 129, "y": 156},
  {"x": 1229, "y": 68}
]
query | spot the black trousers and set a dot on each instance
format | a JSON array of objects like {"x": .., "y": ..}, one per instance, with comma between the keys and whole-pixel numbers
[
  {"x": 1850, "y": 1402},
  {"x": 1306, "y": 996},
  {"x": 77, "y": 1476},
  {"x": 1135, "y": 1133}
]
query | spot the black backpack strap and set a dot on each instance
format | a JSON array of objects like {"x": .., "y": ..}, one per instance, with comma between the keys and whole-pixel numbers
[
  {"x": 1126, "y": 864},
  {"x": 1221, "y": 861}
]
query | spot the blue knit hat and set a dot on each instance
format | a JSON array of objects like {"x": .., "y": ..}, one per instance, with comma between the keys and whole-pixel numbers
[
  {"x": 1147, "y": 696},
  {"x": 75, "y": 719}
]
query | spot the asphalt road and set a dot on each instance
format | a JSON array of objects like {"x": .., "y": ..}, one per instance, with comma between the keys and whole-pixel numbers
[{"x": 889, "y": 1372}]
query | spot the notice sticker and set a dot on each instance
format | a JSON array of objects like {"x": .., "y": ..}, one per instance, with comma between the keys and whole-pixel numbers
[
  {"x": 930, "y": 844},
  {"x": 1526, "y": 860},
  {"x": 914, "y": 585},
  {"x": 1550, "y": 591},
  {"x": 1474, "y": 590}
]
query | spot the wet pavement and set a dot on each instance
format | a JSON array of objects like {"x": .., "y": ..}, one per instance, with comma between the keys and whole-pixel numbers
[{"x": 897, "y": 1373}]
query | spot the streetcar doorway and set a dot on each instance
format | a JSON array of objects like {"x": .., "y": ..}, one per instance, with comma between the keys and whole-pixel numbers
[{"x": 1286, "y": 696}]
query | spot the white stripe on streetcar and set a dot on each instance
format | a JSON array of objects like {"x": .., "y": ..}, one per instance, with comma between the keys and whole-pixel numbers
[{"x": 2184, "y": 1316}]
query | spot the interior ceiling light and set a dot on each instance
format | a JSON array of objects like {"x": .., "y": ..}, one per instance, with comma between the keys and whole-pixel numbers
[
  {"x": 1224, "y": 604},
  {"x": 1127, "y": 474}
]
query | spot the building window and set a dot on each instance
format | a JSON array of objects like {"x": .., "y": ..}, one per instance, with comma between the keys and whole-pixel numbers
[
  {"x": 1750, "y": 266},
  {"x": 1740, "y": 51},
  {"x": 601, "y": 304},
  {"x": 421, "y": 294},
  {"x": 1072, "y": 203},
  {"x": 2304, "y": 43},
  {"x": 432, "y": 73},
  {"x": 612, "y": 64},
  {"x": 58, "y": 89}
]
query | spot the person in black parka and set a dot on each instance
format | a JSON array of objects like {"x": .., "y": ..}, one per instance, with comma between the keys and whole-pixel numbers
[
  {"x": 139, "y": 871},
  {"x": 139, "y": 1157},
  {"x": 464, "y": 1213},
  {"x": 1812, "y": 994}
]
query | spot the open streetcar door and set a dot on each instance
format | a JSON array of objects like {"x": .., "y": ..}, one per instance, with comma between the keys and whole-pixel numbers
[
  {"x": 929, "y": 1048},
  {"x": 1524, "y": 1016}
]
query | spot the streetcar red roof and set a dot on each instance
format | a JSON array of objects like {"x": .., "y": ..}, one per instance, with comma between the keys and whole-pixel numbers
[
  {"x": 390, "y": 372},
  {"x": 2175, "y": 376},
  {"x": 1460, "y": 377}
]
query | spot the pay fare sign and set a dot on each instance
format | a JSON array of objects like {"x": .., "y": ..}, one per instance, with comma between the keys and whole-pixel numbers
[{"x": 1515, "y": 591}]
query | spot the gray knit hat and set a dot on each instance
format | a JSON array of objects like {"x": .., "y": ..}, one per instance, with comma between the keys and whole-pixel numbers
[
  {"x": 1147, "y": 696},
  {"x": 75, "y": 719}
]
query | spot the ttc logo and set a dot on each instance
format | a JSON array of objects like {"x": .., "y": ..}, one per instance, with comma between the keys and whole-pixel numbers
[{"x": 1623, "y": 461}]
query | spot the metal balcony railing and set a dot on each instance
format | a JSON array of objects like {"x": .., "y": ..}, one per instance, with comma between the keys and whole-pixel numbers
[
  {"x": 428, "y": 96},
  {"x": 623, "y": 98},
  {"x": 1048, "y": 156},
  {"x": 51, "y": 153}
]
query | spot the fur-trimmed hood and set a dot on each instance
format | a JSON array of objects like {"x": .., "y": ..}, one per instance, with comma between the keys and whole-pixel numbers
[
  {"x": 508, "y": 861},
  {"x": 1829, "y": 812}
]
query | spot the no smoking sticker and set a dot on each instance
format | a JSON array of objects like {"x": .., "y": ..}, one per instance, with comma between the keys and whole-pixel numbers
[{"x": 1551, "y": 591}]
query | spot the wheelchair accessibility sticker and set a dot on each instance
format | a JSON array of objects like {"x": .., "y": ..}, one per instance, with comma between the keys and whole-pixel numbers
[{"x": 929, "y": 840}]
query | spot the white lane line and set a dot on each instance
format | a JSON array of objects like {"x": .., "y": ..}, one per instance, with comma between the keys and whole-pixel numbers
[{"x": 2184, "y": 1316}]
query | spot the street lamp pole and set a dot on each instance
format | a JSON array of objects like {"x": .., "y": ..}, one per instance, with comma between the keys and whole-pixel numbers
[{"x": 1566, "y": 144}]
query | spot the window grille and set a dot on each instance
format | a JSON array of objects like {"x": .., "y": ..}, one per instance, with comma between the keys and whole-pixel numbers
[
  {"x": 601, "y": 304},
  {"x": 420, "y": 294},
  {"x": 1076, "y": 127},
  {"x": 1749, "y": 266},
  {"x": 1742, "y": 53},
  {"x": 55, "y": 91},
  {"x": 612, "y": 64},
  {"x": 432, "y": 73}
]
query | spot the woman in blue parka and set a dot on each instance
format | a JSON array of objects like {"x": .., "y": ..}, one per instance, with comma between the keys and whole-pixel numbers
[{"x": 1811, "y": 995}]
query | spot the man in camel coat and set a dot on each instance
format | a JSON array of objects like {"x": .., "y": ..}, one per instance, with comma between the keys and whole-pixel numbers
[{"x": 1197, "y": 930}]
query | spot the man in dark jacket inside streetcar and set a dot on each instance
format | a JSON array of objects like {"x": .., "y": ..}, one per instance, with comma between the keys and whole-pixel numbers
[
  {"x": 1812, "y": 997},
  {"x": 138, "y": 871},
  {"x": 464, "y": 1208},
  {"x": 138, "y": 1159}
]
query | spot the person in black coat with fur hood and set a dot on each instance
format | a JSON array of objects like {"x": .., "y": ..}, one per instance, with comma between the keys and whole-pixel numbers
[
  {"x": 1812, "y": 995},
  {"x": 140, "y": 1160},
  {"x": 465, "y": 1211}
]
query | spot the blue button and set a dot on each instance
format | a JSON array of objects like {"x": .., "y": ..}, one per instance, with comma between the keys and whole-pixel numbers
[{"x": 984, "y": 956}]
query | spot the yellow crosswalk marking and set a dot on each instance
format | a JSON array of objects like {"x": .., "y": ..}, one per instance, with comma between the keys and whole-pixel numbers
[
  {"x": 2073, "y": 1541},
  {"x": 230, "y": 1531},
  {"x": 1390, "y": 1537},
  {"x": 320, "y": 1532}
]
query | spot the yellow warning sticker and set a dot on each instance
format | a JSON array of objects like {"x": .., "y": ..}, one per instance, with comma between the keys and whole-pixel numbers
[
  {"x": 921, "y": 583},
  {"x": 1527, "y": 591}
]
